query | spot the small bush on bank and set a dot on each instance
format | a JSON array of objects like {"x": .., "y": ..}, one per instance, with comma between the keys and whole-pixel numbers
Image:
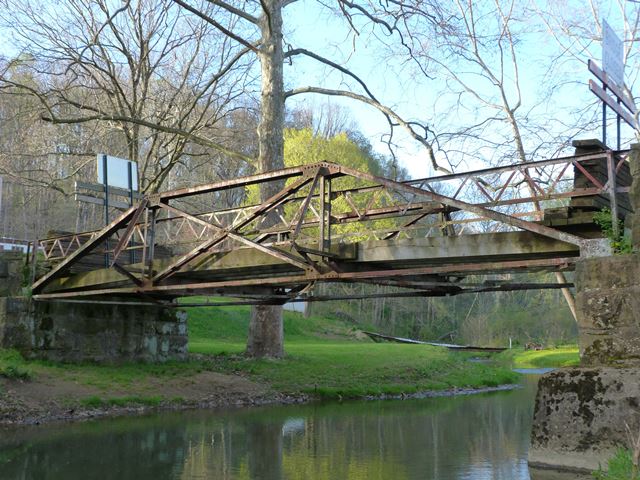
[
  {"x": 621, "y": 467},
  {"x": 12, "y": 365}
]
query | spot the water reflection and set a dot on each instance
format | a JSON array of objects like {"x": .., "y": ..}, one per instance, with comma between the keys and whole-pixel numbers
[{"x": 475, "y": 437}]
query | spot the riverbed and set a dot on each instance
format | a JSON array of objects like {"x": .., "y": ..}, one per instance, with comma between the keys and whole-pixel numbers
[{"x": 483, "y": 436}]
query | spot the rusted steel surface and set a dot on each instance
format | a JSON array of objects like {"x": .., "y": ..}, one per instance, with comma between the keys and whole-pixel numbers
[
  {"x": 459, "y": 270},
  {"x": 85, "y": 249},
  {"x": 320, "y": 208}
]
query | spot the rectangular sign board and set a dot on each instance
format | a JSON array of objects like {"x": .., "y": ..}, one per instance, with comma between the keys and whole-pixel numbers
[
  {"x": 117, "y": 172},
  {"x": 612, "y": 55}
]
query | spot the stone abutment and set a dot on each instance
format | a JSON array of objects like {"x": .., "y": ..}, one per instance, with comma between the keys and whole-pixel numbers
[{"x": 583, "y": 415}]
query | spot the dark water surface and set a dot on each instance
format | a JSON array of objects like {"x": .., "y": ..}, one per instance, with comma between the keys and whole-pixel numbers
[{"x": 470, "y": 437}]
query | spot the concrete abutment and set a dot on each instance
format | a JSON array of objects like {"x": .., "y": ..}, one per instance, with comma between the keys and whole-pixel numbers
[
  {"x": 104, "y": 333},
  {"x": 79, "y": 332},
  {"x": 583, "y": 415}
]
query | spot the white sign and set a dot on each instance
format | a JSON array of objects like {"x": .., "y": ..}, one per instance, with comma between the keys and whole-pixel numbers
[
  {"x": 117, "y": 172},
  {"x": 612, "y": 55}
]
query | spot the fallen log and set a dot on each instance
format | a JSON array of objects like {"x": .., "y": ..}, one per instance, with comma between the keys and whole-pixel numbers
[{"x": 377, "y": 337}]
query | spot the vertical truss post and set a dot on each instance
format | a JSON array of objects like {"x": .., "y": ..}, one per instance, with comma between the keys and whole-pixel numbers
[
  {"x": 145, "y": 237},
  {"x": 328, "y": 241},
  {"x": 151, "y": 240},
  {"x": 611, "y": 174},
  {"x": 323, "y": 208}
]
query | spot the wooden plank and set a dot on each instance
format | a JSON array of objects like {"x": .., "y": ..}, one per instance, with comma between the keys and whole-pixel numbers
[
  {"x": 100, "y": 201},
  {"x": 613, "y": 86},
  {"x": 602, "y": 95},
  {"x": 100, "y": 188}
]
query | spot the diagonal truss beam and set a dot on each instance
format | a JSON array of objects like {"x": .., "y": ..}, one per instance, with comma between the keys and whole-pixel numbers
[
  {"x": 279, "y": 254},
  {"x": 129, "y": 230},
  {"x": 468, "y": 207},
  {"x": 268, "y": 205},
  {"x": 84, "y": 250},
  {"x": 218, "y": 229},
  {"x": 305, "y": 206}
]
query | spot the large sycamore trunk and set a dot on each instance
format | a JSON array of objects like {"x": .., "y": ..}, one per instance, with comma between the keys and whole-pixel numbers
[{"x": 266, "y": 337}]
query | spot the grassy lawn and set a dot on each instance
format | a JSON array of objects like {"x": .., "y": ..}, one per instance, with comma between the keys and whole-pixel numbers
[
  {"x": 566, "y": 356},
  {"x": 105, "y": 377},
  {"x": 324, "y": 357},
  {"x": 354, "y": 369}
]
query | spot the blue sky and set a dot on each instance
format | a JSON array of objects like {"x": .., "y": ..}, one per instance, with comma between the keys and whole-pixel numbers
[
  {"x": 311, "y": 26},
  {"x": 417, "y": 97}
]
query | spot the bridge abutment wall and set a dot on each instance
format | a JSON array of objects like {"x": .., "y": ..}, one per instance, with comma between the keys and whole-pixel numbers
[
  {"x": 104, "y": 333},
  {"x": 583, "y": 415},
  {"x": 85, "y": 332}
]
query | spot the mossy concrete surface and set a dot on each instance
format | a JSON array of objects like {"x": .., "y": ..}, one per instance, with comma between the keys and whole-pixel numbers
[
  {"x": 580, "y": 416},
  {"x": 581, "y": 413},
  {"x": 608, "y": 310},
  {"x": 74, "y": 332},
  {"x": 11, "y": 264}
]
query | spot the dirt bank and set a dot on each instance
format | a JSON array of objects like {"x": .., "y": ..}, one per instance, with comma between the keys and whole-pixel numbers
[{"x": 48, "y": 399}]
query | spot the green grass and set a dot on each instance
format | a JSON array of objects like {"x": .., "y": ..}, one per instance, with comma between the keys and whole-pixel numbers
[
  {"x": 103, "y": 377},
  {"x": 347, "y": 370},
  {"x": 231, "y": 324},
  {"x": 323, "y": 358},
  {"x": 566, "y": 356},
  {"x": 12, "y": 365},
  {"x": 106, "y": 377},
  {"x": 620, "y": 467}
]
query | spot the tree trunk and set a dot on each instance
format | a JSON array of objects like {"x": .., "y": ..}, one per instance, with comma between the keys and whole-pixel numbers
[{"x": 266, "y": 337}]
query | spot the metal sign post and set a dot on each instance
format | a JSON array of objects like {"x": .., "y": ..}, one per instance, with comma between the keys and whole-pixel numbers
[
  {"x": 105, "y": 177},
  {"x": 132, "y": 255},
  {"x": 612, "y": 78},
  {"x": 116, "y": 177}
]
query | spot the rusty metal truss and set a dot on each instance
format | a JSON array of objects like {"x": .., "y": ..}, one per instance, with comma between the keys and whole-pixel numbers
[{"x": 326, "y": 223}]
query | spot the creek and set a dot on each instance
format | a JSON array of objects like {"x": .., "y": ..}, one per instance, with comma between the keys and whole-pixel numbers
[{"x": 482, "y": 436}]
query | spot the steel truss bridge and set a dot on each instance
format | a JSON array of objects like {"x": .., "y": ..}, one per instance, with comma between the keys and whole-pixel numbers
[{"x": 329, "y": 223}]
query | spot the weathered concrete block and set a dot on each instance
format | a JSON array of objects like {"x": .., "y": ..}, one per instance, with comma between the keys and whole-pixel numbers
[
  {"x": 580, "y": 415},
  {"x": 16, "y": 325},
  {"x": 92, "y": 332},
  {"x": 608, "y": 310},
  {"x": 11, "y": 264}
]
